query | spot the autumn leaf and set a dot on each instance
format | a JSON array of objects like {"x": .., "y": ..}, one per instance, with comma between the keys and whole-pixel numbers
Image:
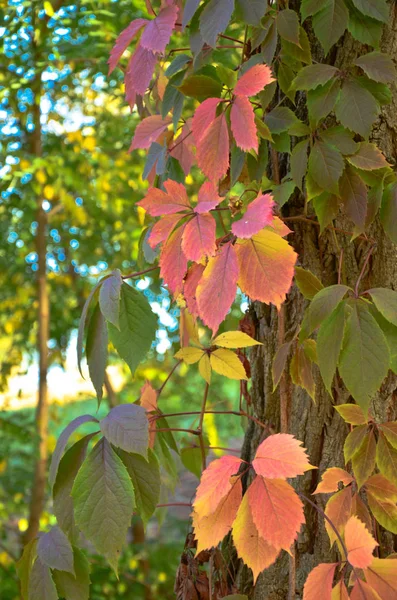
[
  {"x": 381, "y": 576},
  {"x": 190, "y": 284},
  {"x": 198, "y": 239},
  {"x": 208, "y": 198},
  {"x": 215, "y": 484},
  {"x": 190, "y": 355},
  {"x": 359, "y": 543},
  {"x": 123, "y": 41},
  {"x": 173, "y": 200},
  {"x": 339, "y": 592},
  {"x": 213, "y": 149},
  {"x": 242, "y": 119},
  {"x": 148, "y": 130},
  {"x": 253, "y": 80},
  {"x": 204, "y": 117},
  {"x": 338, "y": 510},
  {"x": 158, "y": 31},
  {"x": 235, "y": 339},
  {"x": 281, "y": 456},
  {"x": 320, "y": 578},
  {"x": 228, "y": 364},
  {"x": 173, "y": 262},
  {"x": 330, "y": 479},
  {"x": 258, "y": 215}
]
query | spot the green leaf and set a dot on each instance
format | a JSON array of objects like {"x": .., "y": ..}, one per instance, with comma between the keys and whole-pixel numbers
[
  {"x": 364, "y": 29},
  {"x": 172, "y": 96},
  {"x": 137, "y": 327},
  {"x": 288, "y": 25},
  {"x": 308, "y": 8},
  {"x": 226, "y": 75},
  {"x": 386, "y": 459},
  {"x": 67, "y": 471},
  {"x": 300, "y": 53},
  {"x": 329, "y": 344},
  {"x": 189, "y": 11},
  {"x": 321, "y": 101},
  {"x": 389, "y": 430},
  {"x": 340, "y": 138},
  {"x": 74, "y": 588},
  {"x": 284, "y": 77},
  {"x": 384, "y": 511},
  {"x": 377, "y": 66},
  {"x": 381, "y": 92},
  {"x": 279, "y": 362},
  {"x": 351, "y": 413},
  {"x": 322, "y": 305},
  {"x": 312, "y": 76},
  {"x": 257, "y": 166},
  {"x": 280, "y": 119},
  {"x": 267, "y": 94},
  {"x": 301, "y": 372},
  {"x": 24, "y": 566},
  {"x": 364, "y": 359},
  {"x": 177, "y": 64},
  {"x": 326, "y": 166},
  {"x": 55, "y": 551},
  {"x": 368, "y": 157},
  {"x": 356, "y": 108},
  {"x": 62, "y": 442},
  {"x": 127, "y": 427},
  {"x": 390, "y": 333},
  {"x": 377, "y": 9},
  {"x": 363, "y": 461},
  {"x": 283, "y": 192},
  {"x": 201, "y": 87},
  {"x": 385, "y": 301},
  {"x": 282, "y": 142},
  {"x": 263, "y": 130},
  {"x": 299, "y": 160},
  {"x": 236, "y": 163},
  {"x": 354, "y": 441},
  {"x": 145, "y": 477},
  {"x": 82, "y": 323},
  {"x": 309, "y": 285},
  {"x": 109, "y": 297},
  {"x": 252, "y": 10},
  {"x": 166, "y": 435},
  {"x": 355, "y": 198},
  {"x": 41, "y": 585},
  {"x": 330, "y": 23},
  {"x": 103, "y": 498},
  {"x": 326, "y": 209},
  {"x": 97, "y": 350},
  {"x": 214, "y": 19},
  {"x": 269, "y": 44},
  {"x": 192, "y": 460},
  {"x": 388, "y": 211},
  {"x": 374, "y": 202},
  {"x": 166, "y": 460}
]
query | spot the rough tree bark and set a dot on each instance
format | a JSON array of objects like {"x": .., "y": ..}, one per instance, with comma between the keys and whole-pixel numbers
[{"x": 319, "y": 426}]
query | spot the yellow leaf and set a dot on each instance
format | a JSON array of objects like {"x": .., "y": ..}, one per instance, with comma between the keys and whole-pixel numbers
[
  {"x": 190, "y": 355},
  {"x": 235, "y": 339},
  {"x": 228, "y": 364},
  {"x": 41, "y": 177},
  {"x": 205, "y": 368},
  {"x": 49, "y": 192},
  {"x": 49, "y": 11}
]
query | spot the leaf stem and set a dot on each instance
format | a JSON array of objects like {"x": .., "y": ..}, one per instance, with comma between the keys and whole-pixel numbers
[
  {"x": 139, "y": 273},
  {"x": 167, "y": 378},
  {"x": 372, "y": 248}
]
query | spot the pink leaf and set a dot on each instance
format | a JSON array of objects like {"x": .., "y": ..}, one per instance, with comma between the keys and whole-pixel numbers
[
  {"x": 173, "y": 262},
  {"x": 199, "y": 237},
  {"x": 190, "y": 287},
  {"x": 207, "y": 198},
  {"x": 139, "y": 71},
  {"x": 123, "y": 41},
  {"x": 217, "y": 287},
  {"x": 259, "y": 213},
  {"x": 204, "y": 117},
  {"x": 148, "y": 131},
  {"x": 254, "y": 80},
  {"x": 162, "y": 229},
  {"x": 182, "y": 149},
  {"x": 156, "y": 202},
  {"x": 178, "y": 192},
  {"x": 242, "y": 120},
  {"x": 280, "y": 227},
  {"x": 213, "y": 150},
  {"x": 280, "y": 456},
  {"x": 158, "y": 32}
]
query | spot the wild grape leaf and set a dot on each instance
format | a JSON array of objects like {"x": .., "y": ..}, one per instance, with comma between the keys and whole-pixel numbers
[
  {"x": 321, "y": 101},
  {"x": 191, "y": 282},
  {"x": 321, "y": 307},
  {"x": 103, "y": 498},
  {"x": 217, "y": 287},
  {"x": 340, "y": 138},
  {"x": 198, "y": 239},
  {"x": 309, "y": 285},
  {"x": 123, "y": 41},
  {"x": 279, "y": 363},
  {"x": 326, "y": 166},
  {"x": 145, "y": 477},
  {"x": 255, "y": 551},
  {"x": 173, "y": 262},
  {"x": 83, "y": 322},
  {"x": 24, "y": 566},
  {"x": 339, "y": 591},
  {"x": 204, "y": 368},
  {"x": 253, "y": 80},
  {"x": 55, "y": 551},
  {"x": 109, "y": 297},
  {"x": 41, "y": 584},
  {"x": 228, "y": 364},
  {"x": 355, "y": 198},
  {"x": 384, "y": 511},
  {"x": 377, "y": 9},
  {"x": 385, "y": 301},
  {"x": 276, "y": 511},
  {"x": 97, "y": 350},
  {"x": 281, "y": 456},
  {"x": 74, "y": 588},
  {"x": 330, "y": 480},
  {"x": 280, "y": 119},
  {"x": 62, "y": 442},
  {"x": 301, "y": 372},
  {"x": 258, "y": 215},
  {"x": 207, "y": 198},
  {"x": 299, "y": 160},
  {"x": 363, "y": 461},
  {"x": 326, "y": 208},
  {"x": 126, "y": 427},
  {"x": 190, "y": 355},
  {"x": 157, "y": 33},
  {"x": 388, "y": 211},
  {"x": 338, "y": 510},
  {"x": 213, "y": 149},
  {"x": 354, "y": 441},
  {"x": 356, "y": 108},
  {"x": 216, "y": 482},
  {"x": 137, "y": 327},
  {"x": 389, "y": 430},
  {"x": 368, "y": 157},
  {"x": 320, "y": 578},
  {"x": 266, "y": 263},
  {"x": 211, "y": 529},
  {"x": 235, "y": 339},
  {"x": 162, "y": 229},
  {"x": 310, "y": 77},
  {"x": 351, "y": 413},
  {"x": 252, "y": 12},
  {"x": 359, "y": 543},
  {"x": 189, "y": 11},
  {"x": 288, "y": 25},
  {"x": 242, "y": 120},
  {"x": 363, "y": 28},
  {"x": 139, "y": 73},
  {"x": 214, "y": 19},
  {"x": 363, "y": 591},
  {"x": 148, "y": 399},
  {"x": 183, "y": 151},
  {"x": 381, "y": 488},
  {"x": 309, "y": 8},
  {"x": 377, "y": 66},
  {"x": 381, "y": 576},
  {"x": 148, "y": 131},
  {"x": 200, "y": 87},
  {"x": 330, "y": 23},
  {"x": 364, "y": 359},
  {"x": 386, "y": 459},
  {"x": 204, "y": 117},
  {"x": 173, "y": 200}
]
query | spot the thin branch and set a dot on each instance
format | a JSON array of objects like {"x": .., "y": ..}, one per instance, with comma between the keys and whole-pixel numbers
[
  {"x": 372, "y": 248},
  {"x": 168, "y": 378},
  {"x": 174, "y": 504},
  {"x": 139, "y": 273},
  {"x": 200, "y": 426}
]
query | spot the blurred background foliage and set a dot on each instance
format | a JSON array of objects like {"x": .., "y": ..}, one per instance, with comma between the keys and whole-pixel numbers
[{"x": 89, "y": 185}]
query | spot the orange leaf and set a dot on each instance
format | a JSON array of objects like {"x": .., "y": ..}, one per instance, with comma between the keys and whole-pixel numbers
[
  {"x": 381, "y": 487},
  {"x": 173, "y": 262},
  {"x": 339, "y": 592},
  {"x": 319, "y": 582},
  {"x": 215, "y": 484},
  {"x": 330, "y": 479},
  {"x": 338, "y": 510},
  {"x": 276, "y": 511},
  {"x": 359, "y": 543},
  {"x": 280, "y": 456},
  {"x": 213, "y": 149},
  {"x": 266, "y": 264},
  {"x": 211, "y": 529},
  {"x": 360, "y": 510},
  {"x": 363, "y": 591},
  {"x": 381, "y": 576},
  {"x": 256, "y": 552},
  {"x": 148, "y": 397}
]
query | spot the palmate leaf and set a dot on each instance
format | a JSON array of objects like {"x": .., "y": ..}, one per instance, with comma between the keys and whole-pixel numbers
[
  {"x": 359, "y": 543},
  {"x": 24, "y": 566},
  {"x": 329, "y": 344},
  {"x": 215, "y": 484},
  {"x": 145, "y": 477},
  {"x": 363, "y": 28},
  {"x": 381, "y": 576},
  {"x": 41, "y": 583},
  {"x": 281, "y": 456},
  {"x": 55, "y": 550},
  {"x": 214, "y": 19},
  {"x": 330, "y": 480},
  {"x": 78, "y": 587},
  {"x": 243, "y": 125},
  {"x": 356, "y": 108},
  {"x": 252, "y": 11},
  {"x": 288, "y": 25},
  {"x": 330, "y": 23},
  {"x": 377, "y": 9},
  {"x": 321, "y": 307},
  {"x": 258, "y": 215},
  {"x": 363, "y": 461},
  {"x": 320, "y": 578},
  {"x": 377, "y": 66},
  {"x": 309, "y": 78},
  {"x": 338, "y": 510},
  {"x": 326, "y": 166},
  {"x": 126, "y": 427},
  {"x": 355, "y": 198},
  {"x": 354, "y": 441}
]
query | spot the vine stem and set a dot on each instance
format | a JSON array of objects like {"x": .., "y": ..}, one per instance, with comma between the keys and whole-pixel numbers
[
  {"x": 168, "y": 378},
  {"x": 174, "y": 504},
  {"x": 139, "y": 273},
  {"x": 200, "y": 427},
  {"x": 217, "y": 412},
  {"x": 372, "y": 248}
]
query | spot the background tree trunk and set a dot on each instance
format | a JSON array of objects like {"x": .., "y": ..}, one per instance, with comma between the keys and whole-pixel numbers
[{"x": 319, "y": 426}]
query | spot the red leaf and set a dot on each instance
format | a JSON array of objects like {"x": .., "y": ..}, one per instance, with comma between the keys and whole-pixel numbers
[
  {"x": 199, "y": 236},
  {"x": 182, "y": 149},
  {"x": 259, "y": 213},
  {"x": 207, "y": 198},
  {"x": 281, "y": 456},
  {"x": 256, "y": 552},
  {"x": 254, "y": 80},
  {"x": 158, "y": 32},
  {"x": 190, "y": 287},
  {"x": 330, "y": 479},
  {"x": 173, "y": 262},
  {"x": 148, "y": 131},
  {"x": 162, "y": 229},
  {"x": 204, "y": 117},
  {"x": 242, "y": 119},
  {"x": 359, "y": 543},
  {"x": 157, "y": 203},
  {"x": 338, "y": 510},
  {"x": 266, "y": 264},
  {"x": 123, "y": 41},
  {"x": 363, "y": 591},
  {"x": 213, "y": 149},
  {"x": 215, "y": 484},
  {"x": 217, "y": 287},
  {"x": 319, "y": 582},
  {"x": 276, "y": 511},
  {"x": 139, "y": 71}
]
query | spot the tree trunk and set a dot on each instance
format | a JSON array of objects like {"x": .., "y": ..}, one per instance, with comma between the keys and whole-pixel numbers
[{"x": 318, "y": 425}]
